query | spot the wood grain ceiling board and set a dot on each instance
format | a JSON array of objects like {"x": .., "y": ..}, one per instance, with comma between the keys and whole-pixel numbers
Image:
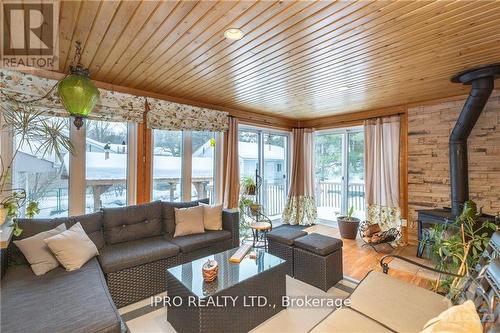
[{"x": 295, "y": 55}]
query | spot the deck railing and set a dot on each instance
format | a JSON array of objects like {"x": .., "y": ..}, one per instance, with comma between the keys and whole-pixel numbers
[{"x": 329, "y": 194}]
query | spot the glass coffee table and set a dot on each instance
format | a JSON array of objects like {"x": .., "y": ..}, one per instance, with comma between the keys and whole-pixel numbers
[{"x": 241, "y": 297}]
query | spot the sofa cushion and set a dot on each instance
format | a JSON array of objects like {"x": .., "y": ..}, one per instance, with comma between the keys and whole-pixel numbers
[
  {"x": 212, "y": 216},
  {"x": 72, "y": 248},
  {"x": 348, "y": 321},
  {"x": 168, "y": 213},
  {"x": 58, "y": 301},
  {"x": 319, "y": 244},
  {"x": 133, "y": 253},
  {"x": 194, "y": 242},
  {"x": 131, "y": 223},
  {"x": 91, "y": 223},
  {"x": 286, "y": 234},
  {"x": 188, "y": 221},
  {"x": 401, "y": 306},
  {"x": 36, "y": 251}
]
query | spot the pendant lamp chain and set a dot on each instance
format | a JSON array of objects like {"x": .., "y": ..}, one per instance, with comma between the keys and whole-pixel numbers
[{"x": 78, "y": 93}]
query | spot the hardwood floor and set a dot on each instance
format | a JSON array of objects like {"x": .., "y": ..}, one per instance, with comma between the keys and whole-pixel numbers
[{"x": 358, "y": 260}]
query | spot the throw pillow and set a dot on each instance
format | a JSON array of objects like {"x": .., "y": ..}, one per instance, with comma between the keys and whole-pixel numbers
[
  {"x": 461, "y": 318},
  {"x": 188, "y": 221},
  {"x": 72, "y": 248},
  {"x": 212, "y": 216},
  {"x": 36, "y": 251}
]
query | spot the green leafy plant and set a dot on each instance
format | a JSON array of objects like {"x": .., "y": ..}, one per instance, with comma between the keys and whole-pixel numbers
[
  {"x": 457, "y": 246},
  {"x": 244, "y": 224},
  {"x": 42, "y": 135},
  {"x": 248, "y": 186},
  {"x": 32, "y": 209},
  {"x": 349, "y": 212}
]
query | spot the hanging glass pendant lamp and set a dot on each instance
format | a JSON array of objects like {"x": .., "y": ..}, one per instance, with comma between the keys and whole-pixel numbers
[{"x": 78, "y": 93}]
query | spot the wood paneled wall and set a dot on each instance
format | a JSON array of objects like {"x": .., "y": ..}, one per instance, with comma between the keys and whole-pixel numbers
[{"x": 429, "y": 128}]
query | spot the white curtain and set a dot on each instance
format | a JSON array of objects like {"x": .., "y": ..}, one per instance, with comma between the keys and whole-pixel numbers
[{"x": 382, "y": 171}]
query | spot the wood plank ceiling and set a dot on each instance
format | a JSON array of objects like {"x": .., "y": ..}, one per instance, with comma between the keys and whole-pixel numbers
[{"x": 298, "y": 59}]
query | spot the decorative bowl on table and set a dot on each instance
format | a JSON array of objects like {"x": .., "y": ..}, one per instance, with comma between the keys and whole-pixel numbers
[{"x": 210, "y": 270}]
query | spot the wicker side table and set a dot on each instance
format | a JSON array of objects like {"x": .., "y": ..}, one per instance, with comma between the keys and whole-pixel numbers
[
  {"x": 280, "y": 243},
  {"x": 318, "y": 260}
]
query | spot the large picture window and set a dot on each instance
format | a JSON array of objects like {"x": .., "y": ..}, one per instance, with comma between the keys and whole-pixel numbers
[
  {"x": 44, "y": 177},
  {"x": 106, "y": 164},
  {"x": 167, "y": 165},
  {"x": 203, "y": 163}
]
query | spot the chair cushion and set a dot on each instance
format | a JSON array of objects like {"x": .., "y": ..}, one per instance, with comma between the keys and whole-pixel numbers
[
  {"x": 168, "y": 213},
  {"x": 133, "y": 222},
  {"x": 319, "y": 244},
  {"x": 125, "y": 255},
  {"x": 348, "y": 321},
  {"x": 194, "y": 242},
  {"x": 402, "y": 306},
  {"x": 58, "y": 301},
  {"x": 461, "y": 318},
  {"x": 286, "y": 234}
]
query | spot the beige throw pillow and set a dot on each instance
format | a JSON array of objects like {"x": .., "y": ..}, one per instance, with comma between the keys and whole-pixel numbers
[
  {"x": 212, "y": 216},
  {"x": 72, "y": 248},
  {"x": 188, "y": 221},
  {"x": 461, "y": 318},
  {"x": 36, "y": 251}
]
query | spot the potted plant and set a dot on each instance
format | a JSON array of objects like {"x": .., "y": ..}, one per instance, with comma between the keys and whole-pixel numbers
[
  {"x": 457, "y": 247},
  {"x": 34, "y": 130},
  {"x": 248, "y": 186},
  {"x": 348, "y": 225}
]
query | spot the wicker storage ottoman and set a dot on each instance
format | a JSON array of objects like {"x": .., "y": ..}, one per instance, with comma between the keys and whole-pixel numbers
[
  {"x": 318, "y": 260},
  {"x": 280, "y": 243}
]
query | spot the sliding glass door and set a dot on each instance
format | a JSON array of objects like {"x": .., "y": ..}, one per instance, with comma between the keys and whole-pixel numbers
[
  {"x": 274, "y": 176},
  {"x": 339, "y": 170},
  {"x": 263, "y": 154}
]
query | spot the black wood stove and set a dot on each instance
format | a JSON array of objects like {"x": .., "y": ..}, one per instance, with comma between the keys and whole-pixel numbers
[{"x": 482, "y": 84}]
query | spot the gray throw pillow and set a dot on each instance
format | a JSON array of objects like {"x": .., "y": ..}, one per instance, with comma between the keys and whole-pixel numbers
[{"x": 36, "y": 251}]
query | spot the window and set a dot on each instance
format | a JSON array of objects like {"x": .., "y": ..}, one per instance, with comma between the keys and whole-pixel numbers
[
  {"x": 106, "y": 164},
  {"x": 339, "y": 170},
  {"x": 203, "y": 162},
  {"x": 43, "y": 177},
  {"x": 167, "y": 165}
]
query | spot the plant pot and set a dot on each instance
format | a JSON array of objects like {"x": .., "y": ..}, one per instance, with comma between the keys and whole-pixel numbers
[
  {"x": 348, "y": 227},
  {"x": 250, "y": 190},
  {"x": 254, "y": 209}
]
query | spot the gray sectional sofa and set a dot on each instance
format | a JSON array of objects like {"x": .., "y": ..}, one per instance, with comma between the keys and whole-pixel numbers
[{"x": 136, "y": 245}]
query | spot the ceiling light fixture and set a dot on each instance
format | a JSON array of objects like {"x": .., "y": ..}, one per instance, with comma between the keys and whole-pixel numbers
[
  {"x": 233, "y": 34},
  {"x": 343, "y": 88}
]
